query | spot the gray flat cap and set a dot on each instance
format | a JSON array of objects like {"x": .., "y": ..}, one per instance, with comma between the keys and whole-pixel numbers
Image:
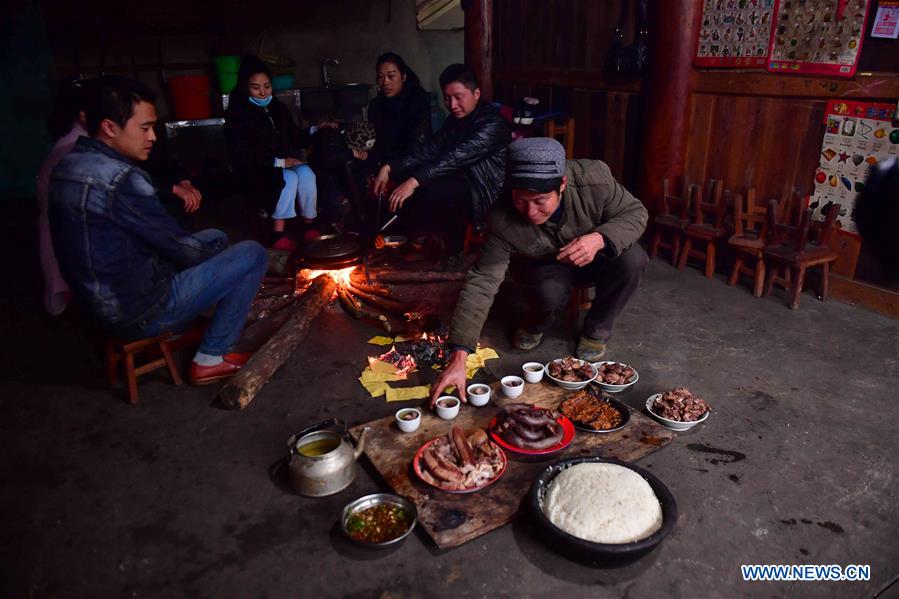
[{"x": 535, "y": 163}]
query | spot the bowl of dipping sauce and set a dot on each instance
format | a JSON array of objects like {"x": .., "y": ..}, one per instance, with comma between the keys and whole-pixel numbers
[
  {"x": 513, "y": 386},
  {"x": 533, "y": 372},
  {"x": 478, "y": 394},
  {"x": 408, "y": 419},
  {"x": 448, "y": 407}
]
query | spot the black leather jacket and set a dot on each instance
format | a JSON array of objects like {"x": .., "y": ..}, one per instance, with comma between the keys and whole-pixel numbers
[{"x": 475, "y": 145}]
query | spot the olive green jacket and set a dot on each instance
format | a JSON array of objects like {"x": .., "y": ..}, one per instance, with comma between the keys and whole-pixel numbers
[{"x": 593, "y": 201}]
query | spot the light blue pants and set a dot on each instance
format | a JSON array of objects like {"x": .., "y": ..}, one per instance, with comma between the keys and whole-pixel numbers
[{"x": 299, "y": 189}]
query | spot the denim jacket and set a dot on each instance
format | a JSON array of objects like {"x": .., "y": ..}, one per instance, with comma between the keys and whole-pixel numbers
[{"x": 117, "y": 246}]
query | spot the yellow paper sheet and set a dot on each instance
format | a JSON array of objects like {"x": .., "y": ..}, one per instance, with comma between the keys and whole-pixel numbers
[
  {"x": 478, "y": 360},
  {"x": 407, "y": 393},
  {"x": 381, "y": 340},
  {"x": 379, "y": 367},
  {"x": 376, "y": 389},
  {"x": 402, "y": 338}
]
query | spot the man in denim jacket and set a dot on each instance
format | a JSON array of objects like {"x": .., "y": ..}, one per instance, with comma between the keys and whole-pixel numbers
[{"x": 125, "y": 258}]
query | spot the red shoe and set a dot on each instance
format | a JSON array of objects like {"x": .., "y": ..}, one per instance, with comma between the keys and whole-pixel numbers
[
  {"x": 239, "y": 358},
  {"x": 205, "y": 375},
  {"x": 286, "y": 244}
]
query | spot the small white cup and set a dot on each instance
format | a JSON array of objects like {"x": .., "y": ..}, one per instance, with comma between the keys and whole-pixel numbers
[
  {"x": 478, "y": 399},
  {"x": 448, "y": 407},
  {"x": 408, "y": 425},
  {"x": 513, "y": 386},
  {"x": 533, "y": 372}
]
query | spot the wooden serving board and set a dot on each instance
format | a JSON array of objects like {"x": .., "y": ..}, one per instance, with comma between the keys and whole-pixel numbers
[{"x": 452, "y": 519}]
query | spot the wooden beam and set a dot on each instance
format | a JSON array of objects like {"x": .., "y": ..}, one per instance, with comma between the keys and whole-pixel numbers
[
  {"x": 479, "y": 43},
  {"x": 856, "y": 293},
  {"x": 868, "y": 87}
]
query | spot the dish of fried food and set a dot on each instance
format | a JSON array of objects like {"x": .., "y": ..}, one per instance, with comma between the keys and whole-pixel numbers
[{"x": 587, "y": 410}]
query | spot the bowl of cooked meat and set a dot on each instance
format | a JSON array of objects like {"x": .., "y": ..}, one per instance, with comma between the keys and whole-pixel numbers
[
  {"x": 379, "y": 520},
  {"x": 570, "y": 373},
  {"x": 595, "y": 414},
  {"x": 615, "y": 377},
  {"x": 677, "y": 409}
]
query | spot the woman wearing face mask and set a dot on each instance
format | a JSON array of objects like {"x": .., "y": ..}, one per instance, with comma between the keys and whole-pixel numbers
[
  {"x": 401, "y": 112},
  {"x": 265, "y": 146}
]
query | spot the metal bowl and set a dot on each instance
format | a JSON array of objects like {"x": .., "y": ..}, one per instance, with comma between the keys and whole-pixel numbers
[
  {"x": 589, "y": 552},
  {"x": 372, "y": 500},
  {"x": 570, "y": 385}
]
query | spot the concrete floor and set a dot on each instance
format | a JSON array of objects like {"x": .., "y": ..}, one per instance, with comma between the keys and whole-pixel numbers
[{"x": 178, "y": 497}]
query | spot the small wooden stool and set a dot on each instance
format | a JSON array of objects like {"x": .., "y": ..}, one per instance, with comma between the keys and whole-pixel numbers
[
  {"x": 561, "y": 128},
  {"x": 580, "y": 300},
  {"x": 119, "y": 350}
]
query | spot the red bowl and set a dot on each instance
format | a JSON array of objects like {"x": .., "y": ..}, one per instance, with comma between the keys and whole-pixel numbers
[{"x": 567, "y": 438}]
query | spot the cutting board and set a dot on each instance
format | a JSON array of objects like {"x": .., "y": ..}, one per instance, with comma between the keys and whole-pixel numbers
[{"x": 453, "y": 519}]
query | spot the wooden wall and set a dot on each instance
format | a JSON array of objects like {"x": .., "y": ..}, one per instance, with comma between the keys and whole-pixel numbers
[{"x": 556, "y": 50}]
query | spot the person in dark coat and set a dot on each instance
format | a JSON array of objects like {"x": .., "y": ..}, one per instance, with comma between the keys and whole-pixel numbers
[
  {"x": 266, "y": 151},
  {"x": 400, "y": 113},
  {"x": 458, "y": 174}
]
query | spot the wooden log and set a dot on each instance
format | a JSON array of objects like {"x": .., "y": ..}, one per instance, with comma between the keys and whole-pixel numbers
[
  {"x": 378, "y": 318},
  {"x": 373, "y": 289},
  {"x": 238, "y": 392},
  {"x": 416, "y": 277},
  {"x": 263, "y": 307},
  {"x": 389, "y": 306},
  {"x": 275, "y": 289},
  {"x": 350, "y": 305}
]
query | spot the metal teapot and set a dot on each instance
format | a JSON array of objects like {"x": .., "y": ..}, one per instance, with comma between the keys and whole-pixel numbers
[{"x": 323, "y": 462}]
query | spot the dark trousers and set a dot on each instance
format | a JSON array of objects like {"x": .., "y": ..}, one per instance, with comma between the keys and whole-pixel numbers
[
  {"x": 442, "y": 206},
  {"x": 548, "y": 287}
]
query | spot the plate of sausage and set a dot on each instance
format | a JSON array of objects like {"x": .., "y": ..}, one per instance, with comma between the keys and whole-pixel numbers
[
  {"x": 531, "y": 430},
  {"x": 460, "y": 461}
]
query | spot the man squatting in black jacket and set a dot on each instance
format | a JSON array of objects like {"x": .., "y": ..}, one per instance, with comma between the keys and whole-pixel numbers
[{"x": 456, "y": 175}]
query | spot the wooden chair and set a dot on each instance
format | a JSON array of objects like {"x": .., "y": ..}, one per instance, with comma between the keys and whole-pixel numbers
[
  {"x": 748, "y": 240},
  {"x": 118, "y": 350},
  {"x": 673, "y": 218},
  {"x": 562, "y": 130},
  {"x": 707, "y": 227},
  {"x": 580, "y": 300},
  {"x": 795, "y": 249}
]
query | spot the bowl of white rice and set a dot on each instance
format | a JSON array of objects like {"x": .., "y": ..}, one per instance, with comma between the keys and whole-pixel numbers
[{"x": 602, "y": 511}]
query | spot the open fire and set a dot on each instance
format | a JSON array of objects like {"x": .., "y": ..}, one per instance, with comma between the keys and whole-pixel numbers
[{"x": 428, "y": 350}]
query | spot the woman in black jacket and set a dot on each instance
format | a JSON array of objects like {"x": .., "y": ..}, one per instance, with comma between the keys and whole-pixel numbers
[
  {"x": 266, "y": 150},
  {"x": 401, "y": 112}
]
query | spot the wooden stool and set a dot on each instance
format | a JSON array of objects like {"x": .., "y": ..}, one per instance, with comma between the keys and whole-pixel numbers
[
  {"x": 673, "y": 218},
  {"x": 580, "y": 300},
  {"x": 119, "y": 350},
  {"x": 564, "y": 129}
]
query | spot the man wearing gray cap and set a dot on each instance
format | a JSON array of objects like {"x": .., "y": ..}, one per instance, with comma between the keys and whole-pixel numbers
[{"x": 572, "y": 222}]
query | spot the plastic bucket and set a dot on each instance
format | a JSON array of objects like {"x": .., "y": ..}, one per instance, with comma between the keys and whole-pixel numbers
[
  {"x": 282, "y": 82},
  {"x": 190, "y": 94},
  {"x": 226, "y": 68}
]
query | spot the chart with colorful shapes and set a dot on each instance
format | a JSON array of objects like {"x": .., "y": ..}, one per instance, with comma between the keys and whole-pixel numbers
[
  {"x": 734, "y": 33},
  {"x": 857, "y": 135},
  {"x": 817, "y": 37}
]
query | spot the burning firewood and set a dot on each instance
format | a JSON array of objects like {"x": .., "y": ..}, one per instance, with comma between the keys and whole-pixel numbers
[
  {"x": 416, "y": 277},
  {"x": 388, "y": 305},
  {"x": 378, "y": 318},
  {"x": 348, "y": 302}
]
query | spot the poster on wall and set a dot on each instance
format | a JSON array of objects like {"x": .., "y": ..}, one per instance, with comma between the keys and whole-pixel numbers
[
  {"x": 857, "y": 135},
  {"x": 734, "y": 33},
  {"x": 886, "y": 21},
  {"x": 817, "y": 37}
]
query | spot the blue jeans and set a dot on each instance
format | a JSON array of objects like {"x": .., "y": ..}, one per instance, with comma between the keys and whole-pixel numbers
[
  {"x": 299, "y": 188},
  {"x": 229, "y": 280}
]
